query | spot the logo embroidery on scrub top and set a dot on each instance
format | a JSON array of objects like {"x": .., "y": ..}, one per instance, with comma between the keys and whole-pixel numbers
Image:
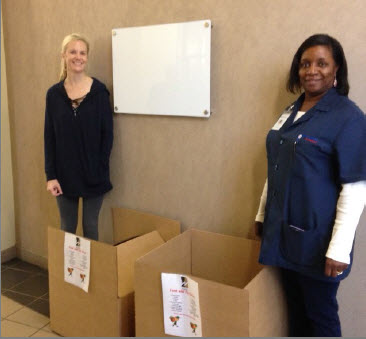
[{"x": 310, "y": 139}]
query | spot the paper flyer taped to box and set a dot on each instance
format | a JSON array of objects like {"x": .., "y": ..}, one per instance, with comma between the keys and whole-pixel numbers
[
  {"x": 77, "y": 261},
  {"x": 182, "y": 315}
]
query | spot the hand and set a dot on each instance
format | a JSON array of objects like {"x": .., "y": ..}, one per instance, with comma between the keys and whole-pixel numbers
[
  {"x": 334, "y": 268},
  {"x": 54, "y": 187},
  {"x": 258, "y": 229}
]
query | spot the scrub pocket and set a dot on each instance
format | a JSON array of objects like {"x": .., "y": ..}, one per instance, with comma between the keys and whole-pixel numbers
[{"x": 304, "y": 247}]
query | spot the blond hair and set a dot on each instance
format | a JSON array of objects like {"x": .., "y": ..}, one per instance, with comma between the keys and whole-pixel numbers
[{"x": 65, "y": 42}]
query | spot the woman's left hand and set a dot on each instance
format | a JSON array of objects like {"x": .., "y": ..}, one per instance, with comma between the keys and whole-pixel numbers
[{"x": 334, "y": 268}]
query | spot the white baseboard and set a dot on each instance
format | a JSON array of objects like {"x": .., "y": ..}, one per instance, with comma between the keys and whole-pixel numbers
[
  {"x": 32, "y": 258},
  {"x": 8, "y": 254}
]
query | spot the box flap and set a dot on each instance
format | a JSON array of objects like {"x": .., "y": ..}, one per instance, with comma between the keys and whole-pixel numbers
[
  {"x": 128, "y": 224},
  {"x": 128, "y": 253},
  {"x": 223, "y": 258},
  {"x": 273, "y": 320},
  {"x": 71, "y": 309},
  {"x": 103, "y": 264},
  {"x": 172, "y": 257},
  {"x": 224, "y": 309}
]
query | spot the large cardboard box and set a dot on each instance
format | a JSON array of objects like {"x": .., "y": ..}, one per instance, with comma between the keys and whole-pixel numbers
[
  {"x": 108, "y": 307},
  {"x": 238, "y": 297}
]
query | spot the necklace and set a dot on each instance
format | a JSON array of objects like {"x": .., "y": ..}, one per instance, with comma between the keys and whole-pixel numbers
[{"x": 75, "y": 103}]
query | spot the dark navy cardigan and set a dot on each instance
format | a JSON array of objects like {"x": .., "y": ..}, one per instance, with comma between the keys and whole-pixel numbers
[{"x": 78, "y": 145}]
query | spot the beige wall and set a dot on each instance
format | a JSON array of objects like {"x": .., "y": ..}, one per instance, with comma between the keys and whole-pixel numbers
[
  {"x": 351, "y": 295},
  {"x": 7, "y": 189},
  {"x": 207, "y": 173}
]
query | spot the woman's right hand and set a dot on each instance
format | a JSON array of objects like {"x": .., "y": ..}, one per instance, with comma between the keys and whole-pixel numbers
[
  {"x": 53, "y": 186},
  {"x": 258, "y": 229}
]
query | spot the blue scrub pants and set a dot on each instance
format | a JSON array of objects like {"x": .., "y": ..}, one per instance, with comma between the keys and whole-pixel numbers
[
  {"x": 68, "y": 207},
  {"x": 312, "y": 305}
]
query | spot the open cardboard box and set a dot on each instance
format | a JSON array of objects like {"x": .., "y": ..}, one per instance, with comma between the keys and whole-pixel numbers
[
  {"x": 108, "y": 307},
  {"x": 238, "y": 297}
]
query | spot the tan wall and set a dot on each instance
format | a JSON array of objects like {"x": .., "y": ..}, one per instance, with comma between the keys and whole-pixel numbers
[
  {"x": 351, "y": 295},
  {"x": 7, "y": 189},
  {"x": 207, "y": 173}
]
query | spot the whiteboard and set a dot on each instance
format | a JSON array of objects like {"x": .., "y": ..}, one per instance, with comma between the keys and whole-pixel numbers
[{"x": 162, "y": 69}]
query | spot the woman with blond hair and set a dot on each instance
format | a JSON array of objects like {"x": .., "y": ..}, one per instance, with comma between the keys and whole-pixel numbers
[{"x": 78, "y": 138}]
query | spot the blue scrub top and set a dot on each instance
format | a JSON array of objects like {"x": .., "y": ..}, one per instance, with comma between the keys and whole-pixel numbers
[{"x": 308, "y": 160}]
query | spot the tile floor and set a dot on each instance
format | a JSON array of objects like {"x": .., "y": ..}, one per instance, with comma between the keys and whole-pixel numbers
[{"x": 24, "y": 300}]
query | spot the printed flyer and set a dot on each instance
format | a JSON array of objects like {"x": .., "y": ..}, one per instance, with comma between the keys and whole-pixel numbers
[
  {"x": 182, "y": 315},
  {"x": 77, "y": 261}
]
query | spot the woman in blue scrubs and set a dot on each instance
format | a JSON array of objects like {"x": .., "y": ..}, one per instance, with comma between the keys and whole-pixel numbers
[{"x": 316, "y": 187}]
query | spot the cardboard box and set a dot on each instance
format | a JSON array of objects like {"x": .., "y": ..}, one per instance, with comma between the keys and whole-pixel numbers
[
  {"x": 238, "y": 297},
  {"x": 108, "y": 307}
]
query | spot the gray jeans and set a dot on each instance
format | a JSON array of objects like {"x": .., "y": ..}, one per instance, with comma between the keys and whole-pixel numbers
[{"x": 68, "y": 207}]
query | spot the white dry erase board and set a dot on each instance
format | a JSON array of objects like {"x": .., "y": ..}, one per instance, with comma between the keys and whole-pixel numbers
[{"x": 162, "y": 69}]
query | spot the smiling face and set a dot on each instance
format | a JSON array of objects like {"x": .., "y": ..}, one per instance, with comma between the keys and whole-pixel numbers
[
  {"x": 76, "y": 56},
  {"x": 317, "y": 70}
]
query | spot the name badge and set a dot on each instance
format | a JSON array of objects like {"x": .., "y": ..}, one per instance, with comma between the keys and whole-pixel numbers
[{"x": 281, "y": 121}]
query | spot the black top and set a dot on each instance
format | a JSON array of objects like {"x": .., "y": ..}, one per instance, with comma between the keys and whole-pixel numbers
[{"x": 78, "y": 142}]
